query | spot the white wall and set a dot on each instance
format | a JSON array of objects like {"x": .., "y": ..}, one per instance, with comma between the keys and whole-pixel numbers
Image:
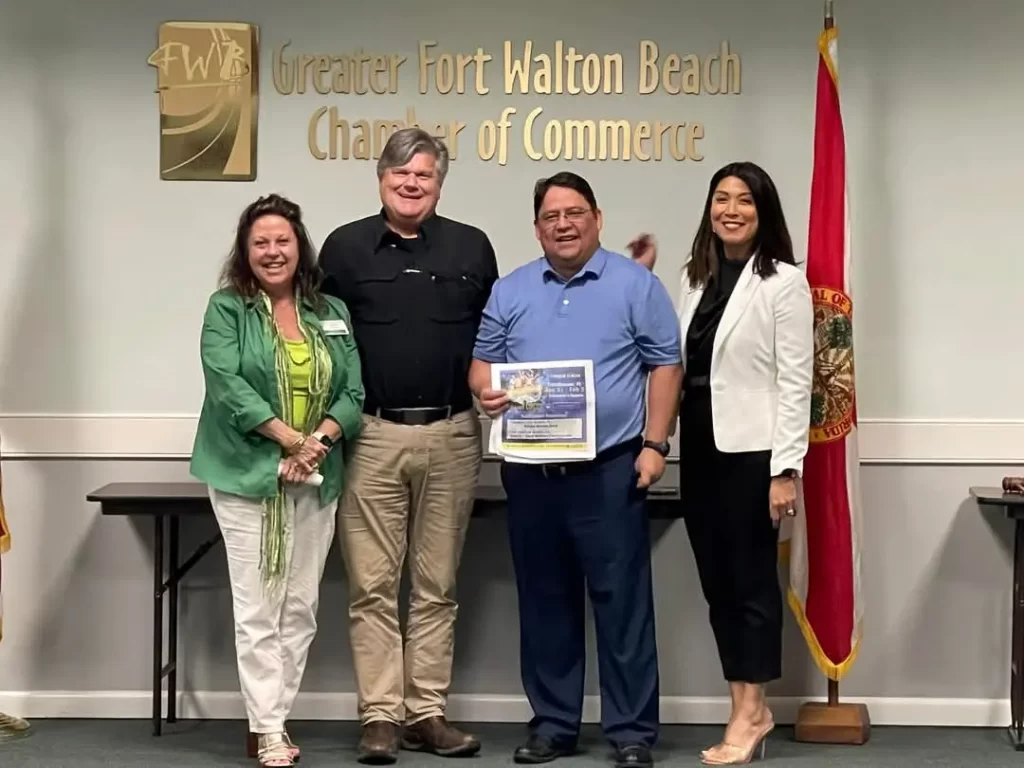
[{"x": 107, "y": 269}]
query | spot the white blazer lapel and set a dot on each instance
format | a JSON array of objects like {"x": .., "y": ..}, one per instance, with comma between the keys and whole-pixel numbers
[{"x": 746, "y": 287}]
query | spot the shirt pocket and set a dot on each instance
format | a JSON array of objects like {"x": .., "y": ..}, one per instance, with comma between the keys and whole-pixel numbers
[
  {"x": 377, "y": 294},
  {"x": 456, "y": 296}
]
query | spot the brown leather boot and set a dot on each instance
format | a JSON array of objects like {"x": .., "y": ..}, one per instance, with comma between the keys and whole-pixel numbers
[
  {"x": 379, "y": 744},
  {"x": 437, "y": 735}
]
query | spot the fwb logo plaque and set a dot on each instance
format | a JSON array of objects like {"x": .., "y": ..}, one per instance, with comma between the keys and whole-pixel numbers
[{"x": 208, "y": 87}]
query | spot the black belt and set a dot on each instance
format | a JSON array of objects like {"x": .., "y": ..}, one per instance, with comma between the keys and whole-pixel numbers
[
  {"x": 634, "y": 446},
  {"x": 414, "y": 417},
  {"x": 696, "y": 382}
]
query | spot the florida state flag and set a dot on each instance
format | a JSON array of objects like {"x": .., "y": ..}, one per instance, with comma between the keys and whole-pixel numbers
[{"x": 824, "y": 557}]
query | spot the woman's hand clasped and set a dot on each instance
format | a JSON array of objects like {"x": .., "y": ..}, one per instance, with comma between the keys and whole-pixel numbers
[
  {"x": 782, "y": 498},
  {"x": 296, "y": 471},
  {"x": 311, "y": 452},
  {"x": 302, "y": 460}
]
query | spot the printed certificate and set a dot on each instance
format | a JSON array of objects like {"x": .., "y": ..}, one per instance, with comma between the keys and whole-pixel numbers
[{"x": 552, "y": 416}]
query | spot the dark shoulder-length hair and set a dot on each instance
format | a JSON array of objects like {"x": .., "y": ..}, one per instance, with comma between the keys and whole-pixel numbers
[
  {"x": 238, "y": 275},
  {"x": 772, "y": 242}
]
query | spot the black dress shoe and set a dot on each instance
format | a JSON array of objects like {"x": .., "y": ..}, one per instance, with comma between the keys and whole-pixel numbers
[
  {"x": 540, "y": 749},
  {"x": 633, "y": 756}
]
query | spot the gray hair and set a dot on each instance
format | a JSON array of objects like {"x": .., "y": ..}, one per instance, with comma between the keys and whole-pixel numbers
[{"x": 406, "y": 143}]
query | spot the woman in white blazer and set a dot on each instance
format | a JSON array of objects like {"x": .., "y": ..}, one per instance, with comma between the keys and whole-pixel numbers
[{"x": 746, "y": 321}]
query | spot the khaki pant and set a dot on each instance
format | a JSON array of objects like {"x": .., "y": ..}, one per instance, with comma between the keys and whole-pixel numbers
[{"x": 410, "y": 488}]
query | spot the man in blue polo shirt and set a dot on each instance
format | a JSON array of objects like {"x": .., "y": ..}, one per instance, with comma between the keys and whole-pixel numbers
[{"x": 582, "y": 526}]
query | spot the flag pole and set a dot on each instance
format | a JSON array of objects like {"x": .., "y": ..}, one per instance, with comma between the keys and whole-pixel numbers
[
  {"x": 833, "y": 685},
  {"x": 829, "y": 24},
  {"x": 831, "y": 722}
]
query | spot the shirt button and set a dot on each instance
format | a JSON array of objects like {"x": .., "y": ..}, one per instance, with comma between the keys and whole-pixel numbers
[{"x": 565, "y": 301}]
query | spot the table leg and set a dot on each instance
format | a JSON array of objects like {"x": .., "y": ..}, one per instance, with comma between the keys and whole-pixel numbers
[
  {"x": 172, "y": 624},
  {"x": 158, "y": 618},
  {"x": 1017, "y": 640}
]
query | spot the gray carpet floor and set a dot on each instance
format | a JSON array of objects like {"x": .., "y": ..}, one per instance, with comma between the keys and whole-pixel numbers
[{"x": 117, "y": 743}]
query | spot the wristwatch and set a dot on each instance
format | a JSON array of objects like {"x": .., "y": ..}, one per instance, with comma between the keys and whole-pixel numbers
[
  {"x": 324, "y": 439},
  {"x": 659, "y": 447},
  {"x": 790, "y": 473}
]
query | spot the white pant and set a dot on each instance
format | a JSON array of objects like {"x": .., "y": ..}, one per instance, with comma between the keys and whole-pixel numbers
[{"x": 273, "y": 630}]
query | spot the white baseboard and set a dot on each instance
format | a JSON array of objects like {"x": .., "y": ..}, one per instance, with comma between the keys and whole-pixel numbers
[
  {"x": 487, "y": 708},
  {"x": 152, "y": 436}
]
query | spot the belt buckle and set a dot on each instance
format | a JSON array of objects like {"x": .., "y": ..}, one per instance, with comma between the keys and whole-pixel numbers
[
  {"x": 431, "y": 412},
  {"x": 416, "y": 417},
  {"x": 410, "y": 417},
  {"x": 548, "y": 470}
]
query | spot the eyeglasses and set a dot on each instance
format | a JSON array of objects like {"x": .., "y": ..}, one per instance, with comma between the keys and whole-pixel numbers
[{"x": 572, "y": 215}]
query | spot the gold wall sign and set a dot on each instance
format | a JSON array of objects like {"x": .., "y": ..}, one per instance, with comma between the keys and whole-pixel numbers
[
  {"x": 208, "y": 86},
  {"x": 339, "y": 131}
]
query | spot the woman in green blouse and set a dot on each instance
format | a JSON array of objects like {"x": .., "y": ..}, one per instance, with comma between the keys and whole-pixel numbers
[{"x": 283, "y": 398}]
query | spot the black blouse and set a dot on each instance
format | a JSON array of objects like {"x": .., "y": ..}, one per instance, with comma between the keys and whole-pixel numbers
[{"x": 700, "y": 336}]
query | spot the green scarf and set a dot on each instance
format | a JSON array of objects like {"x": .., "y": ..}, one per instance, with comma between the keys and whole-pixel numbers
[{"x": 274, "y": 533}]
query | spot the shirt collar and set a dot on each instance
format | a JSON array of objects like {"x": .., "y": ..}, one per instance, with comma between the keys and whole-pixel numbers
[
  {"x": 593, "y": 268},
  {"x": 384, "y": 235}
]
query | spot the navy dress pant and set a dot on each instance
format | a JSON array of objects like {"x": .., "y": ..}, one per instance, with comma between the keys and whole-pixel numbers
[{"x": 577, "y": 530}]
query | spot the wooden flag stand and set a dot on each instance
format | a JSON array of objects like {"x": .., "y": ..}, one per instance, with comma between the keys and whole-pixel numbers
[{"x": 831, "y": 722}]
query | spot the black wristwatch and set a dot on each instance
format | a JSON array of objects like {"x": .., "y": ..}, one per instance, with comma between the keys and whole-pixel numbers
[
  {"x": 790, "y": 473},
  {"x": 659, "y": 447},
  {"x": 324, "y": 439}
]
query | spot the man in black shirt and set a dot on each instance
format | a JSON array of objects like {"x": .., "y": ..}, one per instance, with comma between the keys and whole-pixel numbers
[{"x": 416, "y": 284}]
